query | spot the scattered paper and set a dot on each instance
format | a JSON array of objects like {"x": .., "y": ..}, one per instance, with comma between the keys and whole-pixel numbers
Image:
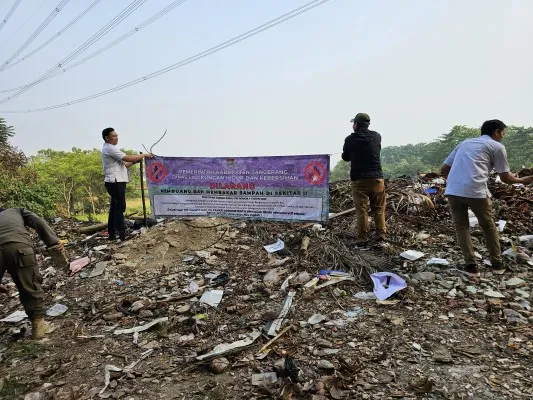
[
  {"x": 276, "y": 324},
  {"x": 17, "y": 316},
  {"x": 272, "y": 248},
  {"x": 223, "y": 348},
  {"x": 412, "y": 255},
  {"x": 501, "y": 225},
  {"x": 212, "y": 297},
  {"x": 386, "y": 284},
  {"x": 77, "y": 265},
  {"x": 100, "y": 248},
  {"x": 56, "y": 310},
  {"x": 437, "y": 261},
  {"x": 141, "y": 328}
]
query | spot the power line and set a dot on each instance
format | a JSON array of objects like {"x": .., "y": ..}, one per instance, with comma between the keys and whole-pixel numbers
[
  {"x": 23, "y": 24},
  {"x": 9, "y": 13},
  {"x": 133, "y": 6},
  {"x": 51, "y": 39},
  {"x": 38, "y": 31},
  {"x": 237, "y": 39},
  {"x": 125, "y": 36}
]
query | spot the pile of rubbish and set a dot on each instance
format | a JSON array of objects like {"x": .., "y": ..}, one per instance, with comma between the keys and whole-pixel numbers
[{"x": 223, "y": 309}]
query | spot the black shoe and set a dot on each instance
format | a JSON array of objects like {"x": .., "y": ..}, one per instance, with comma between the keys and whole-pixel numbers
[
  {"x": 497, "y": 268},
  {"x": 471, "y": 270}
]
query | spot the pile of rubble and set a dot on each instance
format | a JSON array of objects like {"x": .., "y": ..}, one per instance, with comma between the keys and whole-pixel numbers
[{"x": 221, "y": 309}]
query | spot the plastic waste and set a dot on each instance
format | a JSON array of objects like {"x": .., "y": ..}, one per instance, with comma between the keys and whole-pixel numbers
[
  {"x": 272, "y": 248},
  {"x": 412, "y": 255},
  {"x": 212, "y": 297},
  {"x": 56, "y": 310},
  {"x": 386, "y": 284}
]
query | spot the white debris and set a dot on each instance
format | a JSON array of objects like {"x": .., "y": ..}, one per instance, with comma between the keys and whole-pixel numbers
[
  {"x": 437, "y": 261},
  {"x": 227, "y": 347},
  {"x": 56, "y": 310},
  {"x": 141, "y": 328},
  {"x": 272, "y": 248},
  {"x": 17, "y": 316},
  {"x": 212, "y": 297},
  {"x": 412, "y": 255}
]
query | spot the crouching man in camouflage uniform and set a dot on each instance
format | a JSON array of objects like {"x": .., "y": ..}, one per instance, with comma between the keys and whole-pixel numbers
[{"x": 18, "y": 258}]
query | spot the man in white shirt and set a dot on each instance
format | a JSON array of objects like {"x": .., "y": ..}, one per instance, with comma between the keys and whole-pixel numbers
[
  {"x": 467, "y": 169},
  {"x": 116, "y": 175}
]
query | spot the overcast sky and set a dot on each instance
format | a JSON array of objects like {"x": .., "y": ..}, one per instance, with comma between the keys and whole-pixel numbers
[{"x": 417, "y": 67}]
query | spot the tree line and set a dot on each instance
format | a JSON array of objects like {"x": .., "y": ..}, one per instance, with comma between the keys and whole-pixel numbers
[
  {"x": 409, "y": 159},
  {"x": 55, "y": 182},
  {"x": 68, "y": 183}
]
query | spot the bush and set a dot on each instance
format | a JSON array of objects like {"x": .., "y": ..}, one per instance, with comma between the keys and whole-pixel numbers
[{"x": 35, "y": 197}]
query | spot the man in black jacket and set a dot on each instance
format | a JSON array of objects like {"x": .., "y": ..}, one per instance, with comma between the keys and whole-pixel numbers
[{"x": 363, "y": 149}]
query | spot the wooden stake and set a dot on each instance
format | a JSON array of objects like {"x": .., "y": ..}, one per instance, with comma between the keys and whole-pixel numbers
[
  {"x": 283, "y": 332},
  {"x": 141, "y": 172}
]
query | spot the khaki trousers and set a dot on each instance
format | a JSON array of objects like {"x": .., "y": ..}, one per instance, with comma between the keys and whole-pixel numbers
[
  {"x": 482, "y": 209},
  {"x": 371, "y": 191},
  {"x": 20, "y": 261}
]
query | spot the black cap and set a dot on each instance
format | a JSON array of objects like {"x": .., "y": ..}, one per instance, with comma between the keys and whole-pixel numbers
[{"x": 361, "y": 118}]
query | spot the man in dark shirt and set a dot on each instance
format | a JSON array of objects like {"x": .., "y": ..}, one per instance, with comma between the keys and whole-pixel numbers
[
  {"x": 18, "y": 258},
  {"x": 363, "y": 149}
]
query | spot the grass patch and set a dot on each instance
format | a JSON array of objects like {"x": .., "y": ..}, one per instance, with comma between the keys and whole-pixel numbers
[
  {"x": 25, "y": 349},
  {"x": 11, "y": 388},
  {"x": 132, "y": 206}
]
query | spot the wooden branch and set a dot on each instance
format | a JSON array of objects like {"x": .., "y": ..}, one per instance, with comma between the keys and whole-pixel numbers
[
  {"x": 283, "y": 332},
  {"x": 349, "y": 211},
  {"x": 96, "y": 228}
]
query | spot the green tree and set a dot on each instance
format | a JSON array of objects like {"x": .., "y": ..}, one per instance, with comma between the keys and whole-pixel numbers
[
  {"x": 340, "y": 172},
  {"x": 76, "y": 179},
  {"x": 519, "y": 144},
  {"x": 19, "y": 186},
  {"x": 6, "y": 133}
]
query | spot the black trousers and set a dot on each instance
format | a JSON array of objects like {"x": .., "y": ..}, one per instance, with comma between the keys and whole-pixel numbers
[{"x": 117, "y": 207}]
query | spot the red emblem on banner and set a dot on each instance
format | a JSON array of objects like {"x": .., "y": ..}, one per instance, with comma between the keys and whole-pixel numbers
[
  {"x": 315, "y": 173},
  {"x": 156, "y": 172}
]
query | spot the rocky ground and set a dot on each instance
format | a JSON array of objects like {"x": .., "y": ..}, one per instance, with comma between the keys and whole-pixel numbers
[{"x": 443, "y": 337}]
